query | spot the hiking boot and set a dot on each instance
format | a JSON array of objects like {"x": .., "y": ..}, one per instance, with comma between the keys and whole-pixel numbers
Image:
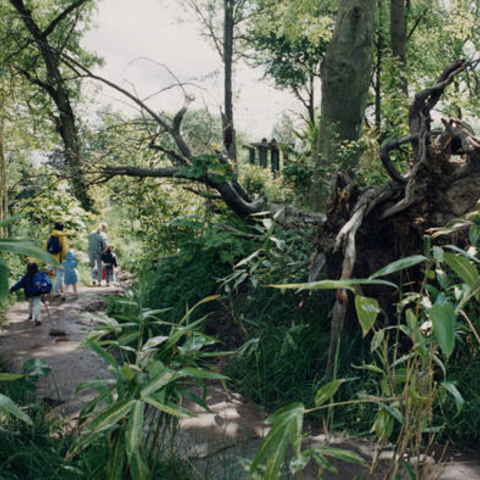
[
  {"x": 29, "y": 317},
  {"x": 37, "y": 322}
]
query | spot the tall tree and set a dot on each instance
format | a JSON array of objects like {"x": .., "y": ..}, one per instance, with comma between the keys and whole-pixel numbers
[
  {"x": 346, "y": 75},
  {"x": 51, "y": 37},
  {"x": 398, "y": 39}
]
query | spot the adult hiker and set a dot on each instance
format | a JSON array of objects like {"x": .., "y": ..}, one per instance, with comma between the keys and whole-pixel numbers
[
  {"x": 97, "y": 244},
  {"x": 57, "y": 246}
]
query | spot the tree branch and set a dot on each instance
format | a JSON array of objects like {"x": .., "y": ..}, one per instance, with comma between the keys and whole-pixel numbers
[{"x": 61, "y": 16}]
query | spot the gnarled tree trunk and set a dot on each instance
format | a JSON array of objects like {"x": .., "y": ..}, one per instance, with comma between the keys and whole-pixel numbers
[{"x": 366, "y": 230}]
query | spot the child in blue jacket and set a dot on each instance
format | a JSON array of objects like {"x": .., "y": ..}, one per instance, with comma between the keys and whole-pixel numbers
[
  {"x": 26, "y": 282},
  {"x": 69, "y": 266}
]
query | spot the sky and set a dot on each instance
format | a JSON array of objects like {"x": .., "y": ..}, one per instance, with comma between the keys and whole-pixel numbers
[{"x": 148, "y": 44}]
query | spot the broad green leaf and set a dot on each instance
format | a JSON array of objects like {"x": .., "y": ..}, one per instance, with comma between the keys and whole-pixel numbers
[
  {"x": 377, "y": 340},
  {"x": 110, "y": 416},
  {"x": 345, "y": 455},
  {"x": 286, "y": 429},
  {"x": 463, "y": 268},
  {"x": 442, "y": 315},
  {"x": 134, "y": 431},
  {"x": 399, "y": 265},
  {"x": 333, "y": 284},
  {"x": 102, "y": 353},
  {"x": 173, "y": 410},
  {"x": 29, "y": 249},
  {"x": 127, "y": 372},
  {"x": 159, "y": 381},
  {"x": 94, "y": 384},
  {"x": 457, "y": 396},
  {"x": 464, "y": 253},
  {"x": 5, "y": 377},
  {"x": 367, "y": 311},
  {"x": 327, "y": 392},
  {"x": 395, "y": 413},
  {"x": 9, "y": 406},
  {"x": 155, "y": 341},
  {"x": 320, "y": 460}
]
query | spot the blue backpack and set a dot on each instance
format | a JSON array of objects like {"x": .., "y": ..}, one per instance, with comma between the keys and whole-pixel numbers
[
  {"x": 42, "y": 285},
  {"x": 53, "y": 245}
]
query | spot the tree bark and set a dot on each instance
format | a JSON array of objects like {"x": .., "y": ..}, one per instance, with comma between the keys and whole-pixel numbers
[
  {"x": 366, "y": 230},
  {"x": 346, "y": 75},
  {"x": 54, "y": 86},
  {"x": 398, "y": 40},
  {"x": 229, "y": 136}
]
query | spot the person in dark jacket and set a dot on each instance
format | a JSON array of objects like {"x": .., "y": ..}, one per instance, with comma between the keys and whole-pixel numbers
[
  {"x": 26, "y": 282},
  {"x": 109, "y": 259}
]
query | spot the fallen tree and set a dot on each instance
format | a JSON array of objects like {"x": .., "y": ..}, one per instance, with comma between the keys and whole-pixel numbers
[{"x": 365, "y": 230}]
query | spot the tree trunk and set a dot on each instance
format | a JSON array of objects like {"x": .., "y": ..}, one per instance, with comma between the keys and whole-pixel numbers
[
  {"x": 229, "y": 136},
  {"x": 346, "y": 74},
  {"x": 54, "y": 86},
  {"x": 366, "y": 230},
  {"x": 398, "y": 40}
]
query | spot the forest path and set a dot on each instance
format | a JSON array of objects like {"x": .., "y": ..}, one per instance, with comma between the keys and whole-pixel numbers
[{"x": 211, "y": 441}]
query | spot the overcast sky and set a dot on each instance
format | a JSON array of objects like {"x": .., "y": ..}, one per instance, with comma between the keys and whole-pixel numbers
[{"x": 136, "y": 37}]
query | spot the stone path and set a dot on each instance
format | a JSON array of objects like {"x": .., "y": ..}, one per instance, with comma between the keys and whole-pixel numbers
[{"x": 211, "y": 441}]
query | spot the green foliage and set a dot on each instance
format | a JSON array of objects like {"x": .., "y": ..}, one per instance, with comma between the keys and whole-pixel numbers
[
  {"x": 149, "y": 381},
  {"x": 183, "y": 279}
]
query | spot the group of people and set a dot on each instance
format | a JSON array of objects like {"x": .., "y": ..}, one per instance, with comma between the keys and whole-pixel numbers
[{"x": 103, "y": 262}]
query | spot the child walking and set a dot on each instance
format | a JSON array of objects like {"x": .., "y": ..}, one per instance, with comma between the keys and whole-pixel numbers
[
  {"x": 110, "y": 261},
  {"x": 70, "y": 267},
  {"x": 34, "y": 298}
]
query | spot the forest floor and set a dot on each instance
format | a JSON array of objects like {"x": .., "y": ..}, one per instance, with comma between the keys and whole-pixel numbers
[{"x": 211, "y": 442}]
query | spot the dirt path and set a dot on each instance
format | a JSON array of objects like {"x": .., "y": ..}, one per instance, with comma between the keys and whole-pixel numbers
[{"x": 211, "y": 441}]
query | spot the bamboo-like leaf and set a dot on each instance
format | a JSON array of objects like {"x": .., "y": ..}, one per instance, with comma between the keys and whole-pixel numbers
[
  {"x": 173, "y": 410},
  {"x": 399, "y": 265},
  {"x": 155, "y": 341},
  {"x": 159, "y": 381},
  {"x": 96, "y": 347},
  {"x": 463, "y": 268},
  {"x": 457, "y": 396},
  {"x": 377, "y": 340},
  {"x": 94, "y": 384},
  {"x": 134, "y": 431},
  {"x": 29, "y": 249},
  {"x": 345, "y": 455},
  {"x": 326, "y": 392},
  {"x": 442, "y": 315},
  {"x": 286, "y": 429},
  {"x": 5, "y": 377},
  {"x": 367, "y": 311},
  {"x": 210, "y": 298},
  {"x": 333, "y": 284},
  {"x": 111, "y": 415},
  {"x": 9, "y": 406}
]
